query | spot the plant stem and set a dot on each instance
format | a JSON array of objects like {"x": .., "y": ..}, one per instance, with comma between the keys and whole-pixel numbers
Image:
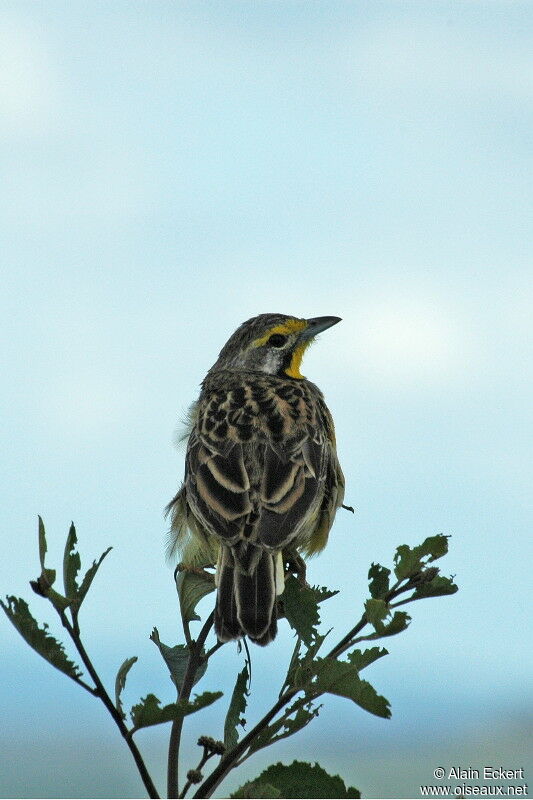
[
  {"x": 288, "y": 712},
  {"x": 232, "y": 758},
  {"x": 206, "y": 756},
  {"x": 195, "y": 659},
  {"x": 227, "y": 762},
  {"x": 346, "y": 642},
  {"x": 99, "y": 691}
]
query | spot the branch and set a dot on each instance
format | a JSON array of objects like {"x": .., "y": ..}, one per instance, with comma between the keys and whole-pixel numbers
[
  {"x": 99, "y": 691},
  {"x": 349, "y": 640},
  {"x": 233, "y": 757},
  {"x": 228, "y": 761},
  {"x": 195, "y": 659}
]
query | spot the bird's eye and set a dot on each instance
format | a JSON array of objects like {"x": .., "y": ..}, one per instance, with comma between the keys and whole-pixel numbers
[{"x": 277, "y": 340}]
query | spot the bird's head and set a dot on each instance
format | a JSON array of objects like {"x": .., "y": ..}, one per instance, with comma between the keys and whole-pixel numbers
[{"x": 272, "y": 343}]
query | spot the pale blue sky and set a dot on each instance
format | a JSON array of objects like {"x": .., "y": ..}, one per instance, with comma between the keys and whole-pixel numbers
[{"x": 171, "y": 169}]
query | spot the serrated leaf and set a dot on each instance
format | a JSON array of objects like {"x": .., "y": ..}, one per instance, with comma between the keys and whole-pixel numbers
[
  {"x": 89, "y": 575},
  {"x": 301, "y": 607},
  {"x": 192, "y": 587},
  {"x": 376, "y": 611},
  {"x": 48, "y": 576},
  {"x": 361, "y": 659},
  {"x": 378, "y": 577},
  {"x": 37, "y": 637},
  {"x": 294, "y": 719},
  {"x": 301, "y": 670},
  {"x": 148, "y": 711},
  {"x": 299, "y": 780},
  {"x": 237, "y": 708},
  {"x": 342, "y": 678},
  {"x": 437, "y": 587},
  {"x": 120, "y": 682},
  {"x": 71, "y": 564},
  {"x": 176, "y": 658},
  {"x": 398, "y": 623},
  {"x": 408, "y": 561},
  {"x": 303, "y": 716}
]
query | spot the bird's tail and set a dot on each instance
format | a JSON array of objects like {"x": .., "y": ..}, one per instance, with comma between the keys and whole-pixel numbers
[{"x": 249, "y": 578}]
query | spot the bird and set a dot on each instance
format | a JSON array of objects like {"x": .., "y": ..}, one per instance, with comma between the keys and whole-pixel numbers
[{"x": 262, "y": 479}]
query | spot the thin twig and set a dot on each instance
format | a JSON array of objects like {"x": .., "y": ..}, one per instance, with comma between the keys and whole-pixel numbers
[
  {"x": 195, "y": 659},
  {"x": 213, "y": 649},
  {"x": 233, "y": 757},
  {"x": 227, "y": 762},
  {"x": 349, "y": 640},
  {"x": 296, "y": 706},
  {"x": 99, "y": 691},
  {"x": 205, "y": 757}
]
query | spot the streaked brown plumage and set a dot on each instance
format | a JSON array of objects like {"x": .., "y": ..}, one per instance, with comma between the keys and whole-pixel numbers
[{"x": 262, "y": 480}]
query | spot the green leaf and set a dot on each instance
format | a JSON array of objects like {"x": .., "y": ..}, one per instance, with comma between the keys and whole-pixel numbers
[
  {"x": 294, "y": 719},
  {"x": 302, "y": 670},
  {"x": 398, "y": 623},
  {"x": 176, "y": 659},
  {"x": 38, "y": 638},
  {"x": 192, "y": 587},
  {"x": 89, "y": 575},
  {"x": 120, "y": 682},
  {"x": 260, "y": 791},
  {"x": 342, "y": 678},
  {"x": 378, "y": 580},
  {"x": 361, "y": 659},
  {"x": 237, "y": 708},
  {"x": 59, "y": 602},
  {"x": 300, "y": 780},
  {"x": 48, "y": 576},
  {"x": 435, "y": 588},
  {"x": 71, "y": 564},
  {"x": 149, "y": 711},
  {"x": 376, "y": 611},
  {"x": 301, "y": 607},
  {"x": 42, "y": 543},
  {"x": 408, "y": 561}
]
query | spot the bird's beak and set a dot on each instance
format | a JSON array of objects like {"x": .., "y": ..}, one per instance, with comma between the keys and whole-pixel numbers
[{"x": 317, "y": 325}]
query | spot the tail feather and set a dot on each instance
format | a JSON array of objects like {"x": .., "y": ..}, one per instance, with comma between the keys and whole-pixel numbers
[
  {"x": 246, "y": 598},
  {"x": 270, "y": 633},
  {"x": 227, "y": 625}
]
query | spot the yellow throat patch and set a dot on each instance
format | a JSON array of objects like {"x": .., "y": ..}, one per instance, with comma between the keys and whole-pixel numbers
[{"x": 293, "y": 370}]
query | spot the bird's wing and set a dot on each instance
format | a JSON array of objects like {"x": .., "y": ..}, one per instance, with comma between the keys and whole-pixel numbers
[
  {"x": 291, "y": 479},
  {"x": 255, "y": 463}
]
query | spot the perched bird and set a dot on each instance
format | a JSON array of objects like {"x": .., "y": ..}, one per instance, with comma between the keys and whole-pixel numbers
[{"x": 262, "y": 479}]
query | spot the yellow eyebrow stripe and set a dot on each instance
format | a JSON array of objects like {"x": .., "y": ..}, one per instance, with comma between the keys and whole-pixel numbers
[{"x": 285, "y": 328}]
